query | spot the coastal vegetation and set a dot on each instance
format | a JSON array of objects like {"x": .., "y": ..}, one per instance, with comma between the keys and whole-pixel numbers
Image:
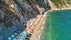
[{"x": 61, "y": 3}]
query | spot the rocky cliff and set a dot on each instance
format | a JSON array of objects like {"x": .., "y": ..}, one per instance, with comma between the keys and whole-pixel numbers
[{"x": 17, "y": 11}]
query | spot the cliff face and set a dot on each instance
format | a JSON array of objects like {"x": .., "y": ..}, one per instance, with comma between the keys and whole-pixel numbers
[
  {"x": 14, "y": 14},
  {"x": 23, "y": 10},
  {"x": 18, "y": 11}
]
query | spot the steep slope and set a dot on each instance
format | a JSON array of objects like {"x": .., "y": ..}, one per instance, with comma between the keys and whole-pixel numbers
[
  {"x": 21, "y": 10},
  {"x": 14, "y": 14}
]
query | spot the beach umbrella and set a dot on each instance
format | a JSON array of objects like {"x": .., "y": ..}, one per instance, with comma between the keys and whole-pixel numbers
[
  {"x": 9, "y": 38},
  {"x": 15, "y": 39},
  {"x": 24, "y": 35},
  {"x": 12, "y": 36}
]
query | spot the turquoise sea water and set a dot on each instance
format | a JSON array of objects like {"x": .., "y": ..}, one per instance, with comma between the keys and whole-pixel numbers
[{"x": 58, "y": 25}]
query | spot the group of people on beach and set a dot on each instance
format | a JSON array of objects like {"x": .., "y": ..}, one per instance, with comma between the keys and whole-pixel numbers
[{"x": 30, "y": 27}]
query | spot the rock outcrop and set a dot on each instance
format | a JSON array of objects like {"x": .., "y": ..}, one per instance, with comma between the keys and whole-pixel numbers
[{"x": 20, "y": 11}]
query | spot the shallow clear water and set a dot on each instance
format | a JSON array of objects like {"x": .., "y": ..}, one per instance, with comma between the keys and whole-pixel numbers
[{"x": 58, "y": 25}]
